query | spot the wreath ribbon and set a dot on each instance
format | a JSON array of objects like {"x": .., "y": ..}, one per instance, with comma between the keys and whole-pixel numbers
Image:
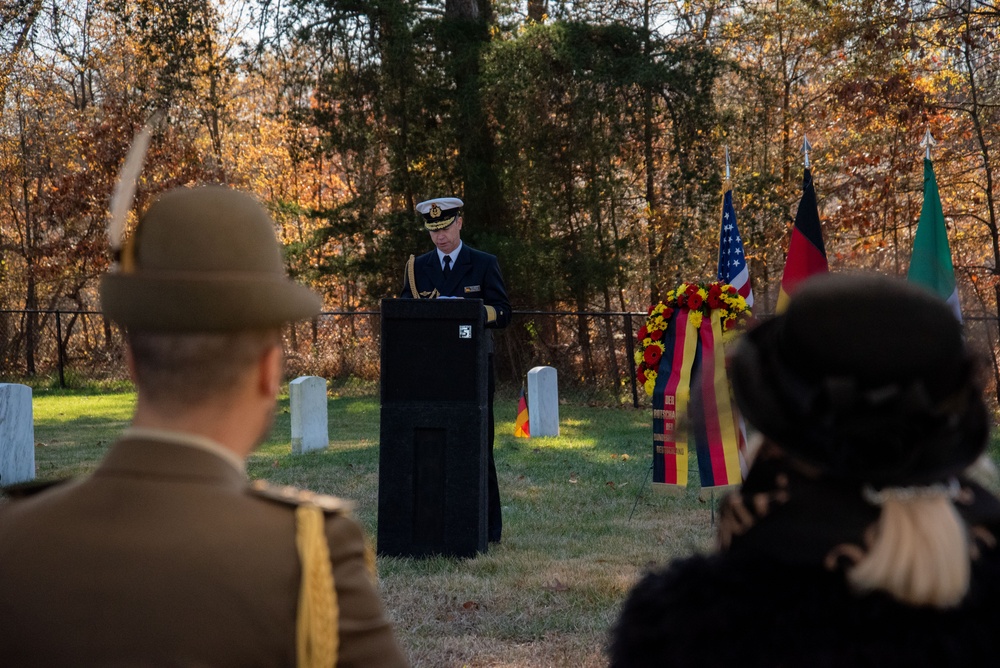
[{"x": 694, "y": 345}]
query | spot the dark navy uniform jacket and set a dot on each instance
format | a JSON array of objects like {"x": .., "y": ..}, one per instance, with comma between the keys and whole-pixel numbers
[{"x": 475, "y": 275}]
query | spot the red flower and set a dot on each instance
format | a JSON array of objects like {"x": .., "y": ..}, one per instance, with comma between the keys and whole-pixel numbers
[
  {"x": 694, "y": 301},
  {"x": 731, "y": 290},
  {"x": 649, "y": 311},
  {"x": 640, "y": 375},
  {"x": 692, "y": 289},
  {"x": 667, "y": 312},
  {"x": 714, "y": 300},
  {"x": 652, "y": 356},
  {"x": 643, "y": 332},
  {"x": 656, "y": 334}
]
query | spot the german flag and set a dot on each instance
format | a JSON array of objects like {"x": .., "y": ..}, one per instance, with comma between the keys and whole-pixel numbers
[
  {"x": 806, "y": 252},
  {"x": 521, "y": 427}
]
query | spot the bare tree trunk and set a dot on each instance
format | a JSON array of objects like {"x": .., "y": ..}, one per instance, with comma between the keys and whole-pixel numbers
[
  {"x": 467, "y": 34},
  {"x": 984, "y": 151},
  {"x": 654, "y": 214},
  {"x": 467, "y": 10},
  {"x": 537, "y": 9},
  {"x": 8, "y": 60}
]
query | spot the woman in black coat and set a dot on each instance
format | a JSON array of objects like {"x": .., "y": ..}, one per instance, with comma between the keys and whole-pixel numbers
[{"x": 858, "y": 537}]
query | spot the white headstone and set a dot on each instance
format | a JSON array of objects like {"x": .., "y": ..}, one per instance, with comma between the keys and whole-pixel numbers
[
  {"x": 17, "y": 434},
  {"x": 543, "y": 401},
  {"x": 307, "y": 396}
]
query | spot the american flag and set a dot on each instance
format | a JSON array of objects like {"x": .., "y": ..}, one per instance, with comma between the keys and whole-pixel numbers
[{"x": 732, "y": 263}]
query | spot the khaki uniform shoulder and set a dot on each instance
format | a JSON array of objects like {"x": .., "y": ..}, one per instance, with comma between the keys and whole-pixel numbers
[{"x": 294, "y": 496}]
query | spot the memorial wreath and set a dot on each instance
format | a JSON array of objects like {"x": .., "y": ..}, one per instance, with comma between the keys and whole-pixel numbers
[{"x": 699, "y": 300}]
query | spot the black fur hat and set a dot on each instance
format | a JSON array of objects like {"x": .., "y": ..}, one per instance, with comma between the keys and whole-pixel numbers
[{"x": 867, "y": 377}]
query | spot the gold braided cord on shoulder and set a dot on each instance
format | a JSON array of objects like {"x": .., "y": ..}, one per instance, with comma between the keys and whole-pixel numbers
[
  {"x": 316, "y": 629},
  {"x": 370, "y": 560},
  {"x": 411, "y": 278}
]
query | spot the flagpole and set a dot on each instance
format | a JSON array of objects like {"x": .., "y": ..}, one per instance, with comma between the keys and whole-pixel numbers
[
  {"x": 806, "y": 147},
  {"x": 727, "y": 162},
  {"x": 639, "y": 493}
]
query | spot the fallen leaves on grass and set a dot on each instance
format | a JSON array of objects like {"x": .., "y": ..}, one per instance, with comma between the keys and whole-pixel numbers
[
  {"x": 470, "y": 605},
  {"x": 556, "y": 585},
  {"x": 572, "y": 478}
]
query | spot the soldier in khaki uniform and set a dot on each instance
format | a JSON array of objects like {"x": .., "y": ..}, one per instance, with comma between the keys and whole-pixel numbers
[{"x": 167, "y": 554}]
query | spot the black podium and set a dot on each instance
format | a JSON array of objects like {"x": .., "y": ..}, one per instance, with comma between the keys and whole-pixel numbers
[{"x": 433, "y": 428}]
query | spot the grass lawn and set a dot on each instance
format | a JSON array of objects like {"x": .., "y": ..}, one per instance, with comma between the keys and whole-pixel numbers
[{"x": 544, "y": 597}]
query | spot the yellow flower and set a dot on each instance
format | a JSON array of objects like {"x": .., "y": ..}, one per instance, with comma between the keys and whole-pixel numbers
[
  {"x": 651, "y": 375},
  {"x": 638, "y": 357},
  {"x": 659, "y": 344},
  {"x": 649, "y": 385},
  {"x": 730, "y": 335},
  {"x": 694, "y": 317}
]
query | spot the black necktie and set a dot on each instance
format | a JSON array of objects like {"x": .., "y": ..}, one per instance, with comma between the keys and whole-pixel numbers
[{"x": 447, "y": 266}]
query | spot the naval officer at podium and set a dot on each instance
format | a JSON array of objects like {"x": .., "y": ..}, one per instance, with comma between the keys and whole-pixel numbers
[{"x": 454, "y": 270}]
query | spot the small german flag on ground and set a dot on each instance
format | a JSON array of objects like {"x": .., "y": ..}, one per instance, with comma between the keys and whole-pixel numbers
[{"x": 521, "y": 428}]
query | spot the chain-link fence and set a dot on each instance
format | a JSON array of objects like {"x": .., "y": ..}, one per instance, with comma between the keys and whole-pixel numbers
[{"x": 593, "y": 352}]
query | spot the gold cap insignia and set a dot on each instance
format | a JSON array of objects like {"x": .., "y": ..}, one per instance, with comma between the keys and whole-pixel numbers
[{"x": 435, "y": 211}]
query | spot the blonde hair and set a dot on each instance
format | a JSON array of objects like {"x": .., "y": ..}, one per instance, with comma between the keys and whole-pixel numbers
[{"x": 920, "y": 551}]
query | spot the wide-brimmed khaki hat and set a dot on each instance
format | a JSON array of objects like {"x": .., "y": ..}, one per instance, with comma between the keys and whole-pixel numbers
[{"x": 204, "y": 259}]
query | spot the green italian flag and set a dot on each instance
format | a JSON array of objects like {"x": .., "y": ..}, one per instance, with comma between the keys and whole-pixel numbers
[{"x": 930, "y": 264}]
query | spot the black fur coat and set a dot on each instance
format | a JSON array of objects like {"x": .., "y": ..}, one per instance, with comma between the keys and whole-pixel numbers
[
  {"x": 771, "y": 598},
  {"x": 726, "y": 611}
]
